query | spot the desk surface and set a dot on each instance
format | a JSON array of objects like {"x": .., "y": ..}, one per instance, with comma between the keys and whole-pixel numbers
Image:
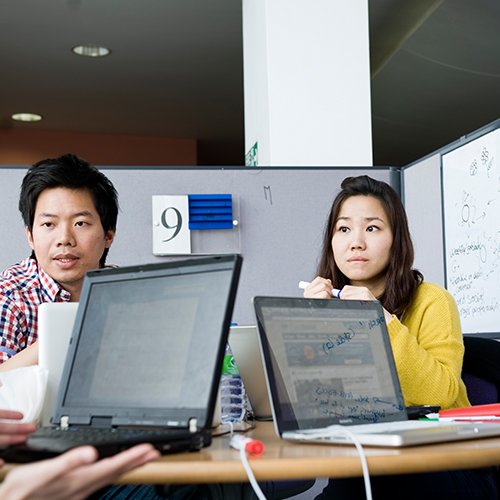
[{"x": 284, "y": 460}]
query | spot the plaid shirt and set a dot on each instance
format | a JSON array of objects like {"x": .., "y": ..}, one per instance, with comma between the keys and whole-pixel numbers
[{"x": 23, "y": 287}]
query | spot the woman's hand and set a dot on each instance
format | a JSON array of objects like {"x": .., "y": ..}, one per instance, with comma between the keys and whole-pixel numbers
[
  {"x": 350, "y": 292},
  {"x": 75, "y": 474},
  {"x": 11, "y": 430},
  {"x": 319, "y": 288}
]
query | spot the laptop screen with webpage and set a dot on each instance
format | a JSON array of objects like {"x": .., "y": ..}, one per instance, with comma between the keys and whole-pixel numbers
[
  {"x": 147, "y": 342},
  {"x": 327, "y": 362}
]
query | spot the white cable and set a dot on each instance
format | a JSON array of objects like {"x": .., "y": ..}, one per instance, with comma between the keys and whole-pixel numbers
[
  {"x": 333, "y": 430},
  {"x": 240, "y": 444},
  {"x": 251, "y": 477},
  {"x": 364, "y": 463}
]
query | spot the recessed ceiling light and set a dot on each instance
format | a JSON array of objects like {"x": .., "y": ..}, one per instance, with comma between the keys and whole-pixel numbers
[
  {"x": 90, "y": 50},
  {"x": 26, "y": 117}
]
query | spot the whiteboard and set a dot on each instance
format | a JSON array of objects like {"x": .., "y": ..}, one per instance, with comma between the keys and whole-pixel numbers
[{"x": 471, "y": 212}]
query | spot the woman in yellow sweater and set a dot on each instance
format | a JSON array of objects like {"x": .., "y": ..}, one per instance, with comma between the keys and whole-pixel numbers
[{"x": 368, "y": 255}]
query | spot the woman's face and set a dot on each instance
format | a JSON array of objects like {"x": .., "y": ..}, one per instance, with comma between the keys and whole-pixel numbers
[{"x": 362, "y": 241}]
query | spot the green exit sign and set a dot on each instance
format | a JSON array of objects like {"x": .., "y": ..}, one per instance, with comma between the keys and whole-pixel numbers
[{"x": 252, "y": 157}]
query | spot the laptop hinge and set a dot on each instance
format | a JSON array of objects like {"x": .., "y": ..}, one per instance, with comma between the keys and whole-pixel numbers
[
  {"x": 101, "y": 422},
  {"x": 64, "y": 422},
  {"x": 193, "y": 427}
]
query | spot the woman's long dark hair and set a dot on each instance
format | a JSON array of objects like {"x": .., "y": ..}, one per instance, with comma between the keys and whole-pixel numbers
[{"x": 401, "y": 280}]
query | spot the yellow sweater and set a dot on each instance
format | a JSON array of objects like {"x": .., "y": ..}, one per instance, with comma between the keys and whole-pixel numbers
[{"x": 428, "y": 349}]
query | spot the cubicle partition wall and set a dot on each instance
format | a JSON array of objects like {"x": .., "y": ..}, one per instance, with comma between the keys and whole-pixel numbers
[
  {"x": 452, "y": 198},
  {"x": 280, "y": 214}
]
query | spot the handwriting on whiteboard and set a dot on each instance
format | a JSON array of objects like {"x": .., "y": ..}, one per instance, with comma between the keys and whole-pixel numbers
[{"x": 471, "y": 199}]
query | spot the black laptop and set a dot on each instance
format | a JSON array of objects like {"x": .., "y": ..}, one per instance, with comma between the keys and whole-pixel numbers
[{"x": 144, "y": 359}]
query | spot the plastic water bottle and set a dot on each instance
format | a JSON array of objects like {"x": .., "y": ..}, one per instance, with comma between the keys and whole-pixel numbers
[{"x": 232, "y": 392}]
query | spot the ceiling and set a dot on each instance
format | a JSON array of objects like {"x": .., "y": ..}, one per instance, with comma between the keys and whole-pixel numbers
[{"x": 176, "y": 70}]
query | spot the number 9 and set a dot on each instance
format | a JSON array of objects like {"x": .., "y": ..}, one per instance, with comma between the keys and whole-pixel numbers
[{"x": 177, "y": 226}]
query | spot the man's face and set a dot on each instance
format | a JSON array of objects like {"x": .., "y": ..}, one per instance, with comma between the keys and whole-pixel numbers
[{"x": 67, "y": 236}]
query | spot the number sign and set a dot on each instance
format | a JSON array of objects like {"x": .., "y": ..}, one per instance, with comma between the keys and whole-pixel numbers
[{"x": 171, "y": 233}]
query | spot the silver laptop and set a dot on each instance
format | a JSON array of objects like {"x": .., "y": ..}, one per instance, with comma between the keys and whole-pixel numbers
[
  {"x": 245, "y": 348},
  {"x": 330, "y": 374},
  {"x": 55, "y": 324}
]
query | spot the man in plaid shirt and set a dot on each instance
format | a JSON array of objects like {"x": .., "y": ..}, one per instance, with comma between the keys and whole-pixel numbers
[{"x": 69, "y": 209}]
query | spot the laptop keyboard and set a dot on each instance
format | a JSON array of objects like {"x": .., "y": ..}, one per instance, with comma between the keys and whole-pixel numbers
[
  {"x": 102, "y": 435},
  {"x": 328, "y": 432},
  {"x": 47, "y": 442}
]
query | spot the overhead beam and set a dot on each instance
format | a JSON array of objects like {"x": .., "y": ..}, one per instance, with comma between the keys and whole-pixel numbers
[{"x": 392, "y": 23}]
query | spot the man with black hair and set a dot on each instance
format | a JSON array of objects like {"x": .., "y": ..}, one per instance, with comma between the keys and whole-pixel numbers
[{"x": 69, "y": 209}]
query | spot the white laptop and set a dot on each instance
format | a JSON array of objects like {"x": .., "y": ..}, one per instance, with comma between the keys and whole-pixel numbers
[
  {"x": 55, "y": 324},
  {"x": 244, "y": 344},
  {"x": 330, "y": 369}
]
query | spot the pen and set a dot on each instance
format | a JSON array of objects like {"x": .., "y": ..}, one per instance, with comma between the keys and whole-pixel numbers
[{"x": 335, "y": 291}]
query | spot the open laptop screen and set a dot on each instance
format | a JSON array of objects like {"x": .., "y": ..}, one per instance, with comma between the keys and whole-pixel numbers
[
  {"x": 149, "y": 338},
  {"x": 328, "y": 362}
]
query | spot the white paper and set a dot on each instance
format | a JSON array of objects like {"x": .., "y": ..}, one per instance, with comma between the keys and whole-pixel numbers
[{"x": 23, "y": 389}]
